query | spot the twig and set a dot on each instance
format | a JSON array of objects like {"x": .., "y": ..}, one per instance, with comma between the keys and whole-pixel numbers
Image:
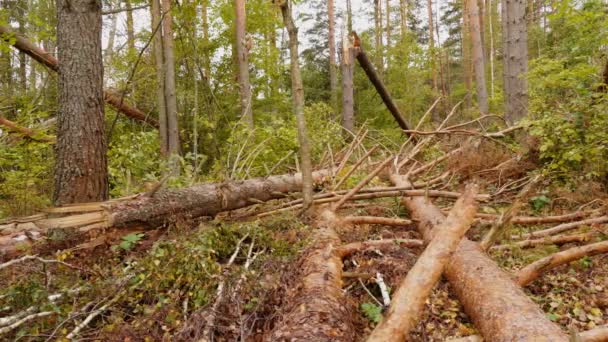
[
  {"x": 354, "y": 167},
  {"x": 368, "y": 292},
  {"x": 44, "y": 261},
  {"x": 92, "y": 316},
  {"x": 25, "y": 319}
]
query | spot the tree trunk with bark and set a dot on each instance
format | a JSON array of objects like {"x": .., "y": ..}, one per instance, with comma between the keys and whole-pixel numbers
[
  {"x": 297, "y": 94},
  {"x": 478, "y": 57},
  {"x": 333, "y": 74},
  {"x": 21, "y": 16},
  {"x": 159, "y": 62},
  {"x": 81, "y": 170},
  {"x": 378, "y": 35},
  {"x": 515, "y": 59},
  {"x": 243, "y": 60},
  {"x": 429, "y": 11},
  {"x": 482, "y": 287},
  {"x": 130, "y": 27},
  {"x": 409, "y": 299},
  {"x": 151, "y": 209},
  {"x": 47, "y": 59},
  {"x": 403, "y": 11},
  {"x": 348, "y": 102},
  {"x": 169, "y": 88}
]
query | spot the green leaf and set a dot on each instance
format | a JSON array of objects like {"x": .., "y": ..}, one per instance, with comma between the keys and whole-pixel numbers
[{"x": 372, "y": 312}]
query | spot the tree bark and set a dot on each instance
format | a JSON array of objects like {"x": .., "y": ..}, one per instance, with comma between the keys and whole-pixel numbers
[
  {"x": 243, "y": 61},
  {"x": 515, "y": 59},
  {"x": 130, "y": 28},
  {"x": 297, "y": 94},
  {"x": 409, "y": 299},
  {"x": 478, "y": 57},
  {"x": 531, "y": 272},
  {"x": 318, "y": 310},
  {"x": 21, "y": 16},
  {"x": 388, "y": 31},
  {"x": 349, "y": 16},
  {"x": 403, "y": 11},
  {"x": 348, "y": 102},
  {"x": 466, "y": 55},
  {"x": 111, "y": 37},
  {"x": 367, "y": 66},
  {"x": 429, "y": 8},
  {"x": 333, "y": 75},
  {"x": 378, "y": 35},
  {"x": 483, "y": 288},
  {"x": 81, "y": 170},
  {"x": 51, "y": 62},
  {"x": 206, "y": 199},
  {"x": 169, "y": 88},
  {"x": 159, "y": 62}
]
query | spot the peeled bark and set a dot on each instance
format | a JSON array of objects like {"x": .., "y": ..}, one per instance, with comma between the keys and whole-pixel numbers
[
  {"x": 498, "y": 307},
  {"x": 111, "y": 97},
  {"x": 409, "y": 299},
  {"x": 318, "y": 310},
  {"x": 531, "y": 272},
  {"x": 200, "y": 200}
]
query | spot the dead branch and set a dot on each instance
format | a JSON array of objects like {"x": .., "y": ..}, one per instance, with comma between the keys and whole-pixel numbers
[
  {"x": 534, "y": 220},
  {"x": 562, "y": 228},
  {"x": 27, "y": 132},
  {"x": 409, "y": 300},
  {"x": 23, "y": 320},
  {"x": 385, "y": 221},
  {"x": 355, "y": 166},
  {"x": 549, "y": 240},
  {"x": 354, "y": 247},
  {"x": 531, "y": 272},
  {"x": 35, "y": 257}
]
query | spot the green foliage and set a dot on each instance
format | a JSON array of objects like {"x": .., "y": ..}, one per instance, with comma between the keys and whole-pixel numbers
[
  {"x": 372, "y": 312},
  {"x": 128, "y": 241},
  {"x": 539, "y": 202}
]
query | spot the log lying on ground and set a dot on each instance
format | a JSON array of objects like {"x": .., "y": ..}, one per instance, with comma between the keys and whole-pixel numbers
[
  {"x": 541, "y": 219},
  {"x": 354, "y": 247},
  {"x": 318, "y": 310},
  {"x": 27, "y": 132},
  {"x": 499, "y": 308},
  {"x": 408, "y": 302},
  {"x": 562, "y": 228},
  {"x": 531, "y": 272},
  {"x": 385, "y": 221},
  {"x": 550, "y": 240},
  {"x": 200, "y": 200},
  {"x": 599, "y": 334},
  {"x": 45, "y": 58}
]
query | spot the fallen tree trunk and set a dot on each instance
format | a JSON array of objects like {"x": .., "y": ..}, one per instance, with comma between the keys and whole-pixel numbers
[
  {"x": 408, "y": 302},
  {"x": 531, "y": 272},
  {"x": 317, "y": 309},
  {"x": 45, "y": 58},
  {"x": 599, "y": 334},
  {"x": 499, "y": 308},
  {"x": 541, "y": 219},
  {"x": 385, "y": 221},
  {"x": 200, "y": 200},
  {"x": 562, "y": 228},
  {"x": 27, "y": 132},
  {"x": 354, "y": 247}
]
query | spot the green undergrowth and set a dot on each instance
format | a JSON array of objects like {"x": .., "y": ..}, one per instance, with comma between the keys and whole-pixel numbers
[{"x": 155, "y": 288}]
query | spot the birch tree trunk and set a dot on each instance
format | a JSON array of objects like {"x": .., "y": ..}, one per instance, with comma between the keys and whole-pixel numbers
[
  {"x": 243, "y": 61},
  {"x": 478, "y": 60},
  {"x": 170, "y": 97},
  {"x": 515, "y": 56},
  {"x": 81, "y": 170},
  {"x": 297, "y": 94}
]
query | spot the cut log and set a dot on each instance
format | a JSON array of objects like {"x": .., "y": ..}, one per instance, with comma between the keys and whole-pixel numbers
[
  {"x": 550, "y": 240},
  {"x": 499, "y": 308},
  {"x": 599, "y": 334},
  {"x": 408, "y": 302},
  {"x": 45, "y": 58},
  {"x": 317, "y": 309},
  {"x": 200, "y": 200},
  {"x": 531, "y": 272},
  {"x": 562, "y": 228}
]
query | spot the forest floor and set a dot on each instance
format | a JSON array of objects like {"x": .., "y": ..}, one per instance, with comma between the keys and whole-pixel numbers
[{"x": 164, "y": 284}]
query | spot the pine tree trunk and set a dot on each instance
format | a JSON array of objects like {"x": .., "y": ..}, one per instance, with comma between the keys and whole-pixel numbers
[
  {"x": 378, "y": 35},
  {"x": 466, "y": 55},
  {"x": 297, "y": 94},
  {"x": 21, "y": 16},
  {"x": 348, "y": 66},
  {"x": 491, "y": 38},
  {"x": 170, "y": 97},
  {"x": 81, "y": 173},
  {"x": 515, "y": 56},
  {"x": 478, "y": 59},
  {"x": 111, "y": 37},
  {"x": 349, "y": 16},
  {"x": 333, "y": 76},
  {"x": 157, "y": 48},
  {"x": 388, "y": 30},
  {"x": 130, "y": 28},
  {"x": 403, "y": 9},
  {"x": 243, "y": 62}
]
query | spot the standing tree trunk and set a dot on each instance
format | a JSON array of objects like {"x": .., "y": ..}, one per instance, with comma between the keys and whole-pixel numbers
[
  {"x": 378, "y": 35},
  {"x": 81, "y": 170},
  {"x": 348, "y": 111},
  {"x": 388, "y": 30},
  {"x": 21, "y": 12},
  {"x": 403, "y": 9},
  {"x": 157, "y": 47},
  {"x": 333, "y": 77},
  {"x": 297, "y": 94},
  {"x": 170, "y": 98},
  {"x": 490, "y": 10},
  {"x": 466, "y": 55},
  {"x": 349, "y": 16},
  {"x": 112, "y": 36},
  {"x": 429, "y": 7},
  {"x": 478, "y": 60},
  {"x": 515, "y": 56},
  {"x": 242, "y": 56},
  {"x": 130, "y": 28}
]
